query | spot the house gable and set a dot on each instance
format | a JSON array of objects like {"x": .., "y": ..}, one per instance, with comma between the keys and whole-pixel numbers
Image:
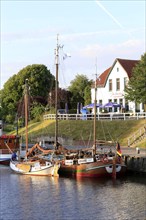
[
  {"x": 127, "y": 65},
  {"x": 111, "y": 85}
]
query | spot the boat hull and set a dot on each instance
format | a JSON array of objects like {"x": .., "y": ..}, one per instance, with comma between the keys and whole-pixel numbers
[
  {"x": 5, "y": 159},
  {"x": 94, "y": 169},
  {"x": 34, "y": 169}
]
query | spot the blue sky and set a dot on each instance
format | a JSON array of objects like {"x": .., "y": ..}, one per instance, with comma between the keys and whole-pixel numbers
[{"x": 94, "y": 33}]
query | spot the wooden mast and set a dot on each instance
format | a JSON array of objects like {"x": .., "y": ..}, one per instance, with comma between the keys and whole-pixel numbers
[
  {"x": 26, "y": 113},
  {"x": 95, "y": 102},
  {"x": 56, "y": 94}
]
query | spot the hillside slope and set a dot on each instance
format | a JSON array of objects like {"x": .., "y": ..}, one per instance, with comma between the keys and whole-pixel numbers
[{"x": 79, "y": 130}]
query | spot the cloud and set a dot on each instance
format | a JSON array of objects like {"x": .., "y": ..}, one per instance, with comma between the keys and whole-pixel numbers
[
  {"x": 42, "y": 34},
  {"x": 93, "y": 50}
]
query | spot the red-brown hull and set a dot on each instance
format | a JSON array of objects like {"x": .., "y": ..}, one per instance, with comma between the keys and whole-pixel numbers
[
  {"x": 94, "y": 169},
  {"x": 5, "y": 162}
]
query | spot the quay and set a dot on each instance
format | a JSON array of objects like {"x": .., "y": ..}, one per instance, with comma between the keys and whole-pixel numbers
[{"x": 135, "y": 159}]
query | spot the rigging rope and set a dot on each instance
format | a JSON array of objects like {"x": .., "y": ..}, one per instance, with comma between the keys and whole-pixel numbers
[
  {"x": 103, "y": 129},
  {"x": 110, "y": 135}
]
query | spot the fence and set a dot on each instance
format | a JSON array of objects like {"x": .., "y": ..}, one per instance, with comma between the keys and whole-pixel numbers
[{"x": 103, "y": 116}]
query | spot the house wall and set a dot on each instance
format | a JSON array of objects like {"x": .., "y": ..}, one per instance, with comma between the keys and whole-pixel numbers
[{"x": 104, "y": 95}]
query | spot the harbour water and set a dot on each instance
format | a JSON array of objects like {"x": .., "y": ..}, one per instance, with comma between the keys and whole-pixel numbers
[{"x": 46, "y": 198}]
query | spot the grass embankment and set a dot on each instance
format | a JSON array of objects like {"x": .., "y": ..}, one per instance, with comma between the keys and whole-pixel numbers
[{"x": 83, "y": 130}]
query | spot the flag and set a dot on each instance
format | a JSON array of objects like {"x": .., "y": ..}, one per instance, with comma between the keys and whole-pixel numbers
[
  {"x": 66, "y": 55},
  {"x": 119, "y": 152}
]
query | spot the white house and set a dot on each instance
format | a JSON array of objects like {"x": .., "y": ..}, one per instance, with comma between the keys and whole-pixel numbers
[{"x": 111, "y": 84}]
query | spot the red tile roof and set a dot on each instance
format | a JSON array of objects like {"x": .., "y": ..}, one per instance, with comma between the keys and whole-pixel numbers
[
  {"x": 126, "y": 64},
  {"x": 103, "y": 77}
]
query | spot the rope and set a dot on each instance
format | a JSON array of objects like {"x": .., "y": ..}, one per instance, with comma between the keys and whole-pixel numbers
[
  {"x": 110, "y": 136},
  {"x": 8, "y": 147},
  {"x": 89, "y": 139},
  {"x": 103, "y": 130},
  {"x": 83, "y": 140}
]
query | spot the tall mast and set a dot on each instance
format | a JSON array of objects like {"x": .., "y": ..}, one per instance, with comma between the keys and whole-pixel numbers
[
  {"x": 95, "y": 102},
  {"x": 56, "y": 95},
  {"x": 26, "y": 113},
  {"x": 56, "y": 92}
]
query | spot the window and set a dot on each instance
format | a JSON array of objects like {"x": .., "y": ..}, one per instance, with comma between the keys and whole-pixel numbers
[
  {"x": 110, "y": 85},
  {"x": 117, "y": 84},
  {"x": 115, "y": 100},
  {"x": 117, "y": 69},
  {"x": 121, "y": 102},
  {"x": 126, "y": 105},
  {"x": 125, "y": 82}
]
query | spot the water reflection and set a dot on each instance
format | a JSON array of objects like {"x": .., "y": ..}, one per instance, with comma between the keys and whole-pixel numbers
[{"x": 31, "y": 197}]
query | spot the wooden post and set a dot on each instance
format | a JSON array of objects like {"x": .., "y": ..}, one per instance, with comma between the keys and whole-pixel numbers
[
  {"x": 114, "y": 169},
  {"x": 114, "y": 164}
]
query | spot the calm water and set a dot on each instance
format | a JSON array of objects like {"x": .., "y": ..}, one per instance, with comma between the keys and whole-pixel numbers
[{"x": 47, "y": 198}]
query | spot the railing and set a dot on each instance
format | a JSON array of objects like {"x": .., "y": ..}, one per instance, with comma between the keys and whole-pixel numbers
[
  {"x": 103, "y": 116},
  {"x": 137, "y": 136}
]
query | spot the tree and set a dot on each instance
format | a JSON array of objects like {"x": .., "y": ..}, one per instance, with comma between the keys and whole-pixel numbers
[
  {"x": 41, "y": 81},
  {"x": 63, "y": 97},
  {"x": 77, "y": 89},
  {"x": 36, "y": 111},
  {"x": 136, "y": 89},
  {"x": 87, "y": 94}
]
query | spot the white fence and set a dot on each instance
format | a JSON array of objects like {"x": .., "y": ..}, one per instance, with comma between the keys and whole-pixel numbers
[{"x": 103, "y": 116}]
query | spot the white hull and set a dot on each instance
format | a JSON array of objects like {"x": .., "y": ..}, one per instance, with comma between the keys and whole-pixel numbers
[
  {"x": 34, "y": 168},
  {"x": 5, "y": 157}
]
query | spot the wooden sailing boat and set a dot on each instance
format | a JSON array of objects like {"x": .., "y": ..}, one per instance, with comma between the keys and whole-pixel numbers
[
  {"x": 33, "y": 165},
  {"x": 90, "y": 163}
]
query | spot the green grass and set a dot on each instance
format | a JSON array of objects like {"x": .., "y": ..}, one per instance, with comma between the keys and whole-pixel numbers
[{"x": 83, "y": 130}]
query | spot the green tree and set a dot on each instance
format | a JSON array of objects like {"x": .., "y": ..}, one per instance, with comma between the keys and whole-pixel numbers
[
  {"x": 41, "y": 81},
  {"x": 87, "y": 94},
  {"x": 36, "y": 111},
  {"x": 136, "y": 89},
  {"x": 77, "y": 89},
  {"x": 63, "y": 98}
]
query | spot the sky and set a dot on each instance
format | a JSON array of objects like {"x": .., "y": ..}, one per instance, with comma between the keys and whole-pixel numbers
[{"x": 94, "y": 33}]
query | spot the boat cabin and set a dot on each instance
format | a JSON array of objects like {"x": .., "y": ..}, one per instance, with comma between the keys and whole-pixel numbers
[{"x": 9, "y": 142}]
